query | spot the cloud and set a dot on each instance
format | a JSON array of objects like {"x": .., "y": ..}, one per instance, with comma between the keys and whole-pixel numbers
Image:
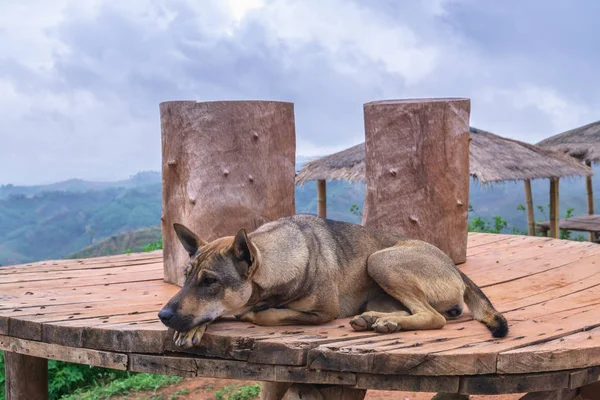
[{"x": 80, "y": 82}]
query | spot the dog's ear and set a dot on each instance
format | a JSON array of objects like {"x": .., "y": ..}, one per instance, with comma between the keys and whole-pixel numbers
[
  {"x": 244, "y": 252},
  {"x": 190, "y": 241}
]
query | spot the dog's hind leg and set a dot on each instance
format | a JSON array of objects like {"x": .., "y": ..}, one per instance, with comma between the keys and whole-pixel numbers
[
  {"x": 381, "y": 306},
  {"x": 397, "y": 280}
]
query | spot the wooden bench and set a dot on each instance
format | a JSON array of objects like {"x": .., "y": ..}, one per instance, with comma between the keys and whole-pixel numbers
[
  {"x": 585, "y": 223},
  {"x": 102, "y": 312}
]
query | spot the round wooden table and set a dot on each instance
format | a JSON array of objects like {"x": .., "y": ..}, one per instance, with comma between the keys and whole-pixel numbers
[{"x": 102, "y": 312}]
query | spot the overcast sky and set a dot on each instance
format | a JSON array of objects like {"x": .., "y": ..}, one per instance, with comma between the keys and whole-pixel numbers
[{"x": 80, "y": 81}]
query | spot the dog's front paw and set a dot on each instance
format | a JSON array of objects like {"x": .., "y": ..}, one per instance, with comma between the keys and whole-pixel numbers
[
  {"x": 250, "y": 316},
  {"x": 190, "y": 338},
  {"x": 363, "y": 322},
  {"x": 386, "y": 326}
]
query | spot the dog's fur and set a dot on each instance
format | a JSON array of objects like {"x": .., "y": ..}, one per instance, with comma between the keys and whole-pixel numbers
[{"x": 308, "y": 270}]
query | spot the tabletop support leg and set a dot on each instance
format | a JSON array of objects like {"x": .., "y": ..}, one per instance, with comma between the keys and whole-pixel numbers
[
  {"x": 565, "y": 394},
  {"x": 590, "y": 392},
  {"x": 274, "y": 390},
  {"x": 450, "y": 396},
  {"x": 323, "y": 392},
  {"x": 26, "y": 377}
]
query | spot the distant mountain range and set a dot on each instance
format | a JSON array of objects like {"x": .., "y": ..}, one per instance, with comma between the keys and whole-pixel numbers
[
  {"x": 58, "y": 220},
  {"x": 79, "y": 185}
]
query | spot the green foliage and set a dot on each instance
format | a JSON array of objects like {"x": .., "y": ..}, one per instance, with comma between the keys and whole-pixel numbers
[
  {"x": 64, "y": 377},
  {"x": 132, "y": 383},
  {"x": 354, "y": 209},
  {"x": 565, "y": 234},
  {"x": 144, "y": 239},
  {"x": 238, "y": 393},
  {"x": 479, "y": 224},
  {"x": 51, "y": 225},
  {"x": 2, "y": 377},
  {"x": 158, "y": 245},
  {"x": 179, "y": 393}
]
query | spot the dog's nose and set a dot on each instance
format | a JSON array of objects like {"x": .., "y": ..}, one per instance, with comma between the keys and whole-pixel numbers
[{"x": 165, "y": 314}]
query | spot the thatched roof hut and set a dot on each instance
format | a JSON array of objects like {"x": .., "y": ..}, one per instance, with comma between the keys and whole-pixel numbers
[
  {"x": 347, "y": 165},
  {"x": 492, "y": 159},
  {"x": 582, "y": 143}
]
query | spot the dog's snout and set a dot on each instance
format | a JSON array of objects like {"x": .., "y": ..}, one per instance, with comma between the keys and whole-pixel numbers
[{"x": 166, "y": 314}]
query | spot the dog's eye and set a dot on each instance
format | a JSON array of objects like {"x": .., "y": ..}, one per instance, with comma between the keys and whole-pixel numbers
[{"x": 208, "y": 280}]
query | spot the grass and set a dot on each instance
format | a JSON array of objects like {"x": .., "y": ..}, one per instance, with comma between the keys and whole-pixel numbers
[
  {"x": 248, "y": 392},
  {"x": 179, "y": 393},
  {"x": 133, "y": 383}
]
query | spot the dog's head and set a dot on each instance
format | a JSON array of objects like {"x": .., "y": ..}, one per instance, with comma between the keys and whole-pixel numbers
[{"x": 217, "y": 279}]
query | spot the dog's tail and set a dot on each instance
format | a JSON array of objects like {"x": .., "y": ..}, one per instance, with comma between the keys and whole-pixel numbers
[{"x": 482, "y": 309}]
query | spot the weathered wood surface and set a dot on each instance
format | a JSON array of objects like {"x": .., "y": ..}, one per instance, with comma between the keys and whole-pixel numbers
[
  {"x": 588, "y": 223},
  {"x": 26, "y": 377},
  {"x": 412, "y": 197},
  {"x": 98, "y": 311},
  {"x": 242, "y": 151}
]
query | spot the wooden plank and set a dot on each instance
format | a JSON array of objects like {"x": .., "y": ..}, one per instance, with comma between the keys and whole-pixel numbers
[
  {"x": 63, "y": 353},
  {"x": 514, "y": 243},
  {"x": 535, "y": 265},
  {"x": 184, "y": 366},
  {"x": 584, "y": 377},
  {"x": 444, "y": 384},
  {"x": 95, "y": 281},
  {"x": 476, "y": 239},
  {"x": 491, "y": 260},
  {"x": 537, "y": 288},
  {"x": 26, "y": 377},
  {"x": 521, "y": 383},
  {"x": 30, "y": 327},
  {"x": 445, "y": 352},
  {"x": 578, "y": 350},
  {"x": 269, "y": 345},
  {"x": 590, "y": 223},
  {"x": 61, "y": 266},
  {"x": 75, "y": 295},
  {"x": 136, "y": 333},
  {"x": 86, "y": 274}
]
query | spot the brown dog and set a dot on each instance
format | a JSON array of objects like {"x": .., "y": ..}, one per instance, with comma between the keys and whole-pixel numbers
[{"x": 308, "y": 270}]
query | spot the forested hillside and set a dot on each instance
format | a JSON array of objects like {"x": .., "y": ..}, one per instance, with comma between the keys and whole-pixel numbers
[{"x": 44, "y": 222}]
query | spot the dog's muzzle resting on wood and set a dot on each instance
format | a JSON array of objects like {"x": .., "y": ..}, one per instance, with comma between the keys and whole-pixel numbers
[{"x": 308, "y": 270}]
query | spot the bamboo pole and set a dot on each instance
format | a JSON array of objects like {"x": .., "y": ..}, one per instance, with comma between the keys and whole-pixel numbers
[
  {"x": 554, "y": 229},
  {"x": 529, "y": 208},
  {"x": 590, "y": 199},
  {"x": 322, "y": 198}
]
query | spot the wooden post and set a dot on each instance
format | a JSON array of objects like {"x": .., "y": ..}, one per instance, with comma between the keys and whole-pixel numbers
[
  {"x": 529, "y": 208},
  {"x": 26, "y": 377},
  {"x": 226, "y": 165},
  {"x": 417, "y": 170},
  {"x": 590, "y": 199},
  {"x": 322, "y": 198},
  {"x": 554, "y": 217},
  {"x": 302, "y": 391}
]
